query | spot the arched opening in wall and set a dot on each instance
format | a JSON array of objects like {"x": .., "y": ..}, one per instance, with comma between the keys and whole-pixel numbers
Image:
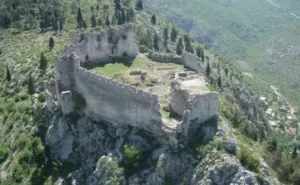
[
  {"x": 124, "y": 37},
  {"x": 125, "y": 54}
]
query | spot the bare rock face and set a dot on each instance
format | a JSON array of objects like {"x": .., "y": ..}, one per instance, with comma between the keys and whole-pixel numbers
[
  {"x": 107, "y": 172},
  {"x": 60, "y": 140},
  {"x": 221, "y": 169}
]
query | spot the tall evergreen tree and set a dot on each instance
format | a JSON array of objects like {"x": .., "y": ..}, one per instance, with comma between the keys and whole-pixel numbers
[
  {"x": 179, "y": 47},
  {"x": 153, "y": 19},
  {"x": 130, "y": 15},
  {"x": 198, "y": 52},
  {"x": 31, "y": 87},
  {"x": 226, "y": 71},
  {"x": 79, "y": 18},
  {"x": 139, "y": 5},
  {"x": 54, "y": 23},
  {"x": 8, "y": 75},
  {"x": 156, "y": 42},
  {"x": 219, "y": 82},
  {"x": 43, "y": 63},
  {"x": 208, "y": 69},
  {"x": 295, "y": 153},
  {"x": 93, "y": 21},
  {"x": 61, "y": 26},
  {"x": 188, "y": 44},
  {"x": 173, "y": 34},
  {"x": 51, "y": 43},
  {"x": 107, "y": 22},
  {"x": 166, "y": 37},
  {"x": 123, "y": 16},
  {"x": 202, "y": 55}
]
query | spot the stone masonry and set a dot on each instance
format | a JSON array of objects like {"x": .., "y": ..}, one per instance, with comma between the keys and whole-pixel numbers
[{"x": 119, "y": 104}]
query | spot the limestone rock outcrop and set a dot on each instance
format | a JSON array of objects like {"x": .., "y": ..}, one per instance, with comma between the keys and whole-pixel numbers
[{"x": 221, "y": 169}]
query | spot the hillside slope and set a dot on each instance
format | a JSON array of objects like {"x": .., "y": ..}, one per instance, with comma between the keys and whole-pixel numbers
[{"x": 262, "y": 38}]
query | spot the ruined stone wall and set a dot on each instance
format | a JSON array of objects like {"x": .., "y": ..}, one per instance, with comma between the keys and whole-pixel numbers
[
  {"x": 195, "y": 108},
  {"x": 187, "y": 59},
  {"x": 112, "y": 43},
  {"x": 163, "y": 57},
  {"x": 118, "y": 103},
  {"x": 203, "y": 106},
  {"x": 192, "y": 62}
]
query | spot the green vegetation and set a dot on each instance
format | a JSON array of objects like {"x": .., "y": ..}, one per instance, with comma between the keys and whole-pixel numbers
[
  {"x": 264, "y": 42},
  {"x": 132, "y": 159},
  {"x": 248, "y": 159},
  {"x": 111, "y": 69}
]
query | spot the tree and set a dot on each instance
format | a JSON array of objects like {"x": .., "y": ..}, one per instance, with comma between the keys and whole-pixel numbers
[
  {"x": 8, "y": 75},
  {"x": 295, "y": 153},
  {"x": 200, "y": 53},
  {"x": 100, "y": 22},
  {"x": 107, "y": 22},
  {"x": 173, "y": 34},
  {"x": 179, "y": 47},
  {"x": 226, "y": 71},
  {"x": 79, "y": 18},
  {"x": 93, "y": 20},
  {"x": 219, "y": 82},
  {"x": 166, "y": 37},
  {"x": 130, "y": 15},
  {"x": 43, "y": 63},
  {"x": 31, "y": 88},
  {"x": 54, "y": 23},
  {"x": 188, "y": 45},
  {"x": 123, "y": 16},
  {"x": 156, "y": 42},
  {"x": 153, "y": 19},
  {"x": 208, "y": 69},
  {"x": 61, "y": 26},
  {"x": 51, "y": 43},
  {"x": 139, "y": 5}
]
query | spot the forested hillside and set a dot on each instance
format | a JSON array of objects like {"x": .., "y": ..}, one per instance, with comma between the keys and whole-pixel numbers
[{"x": 262, "y": 37}]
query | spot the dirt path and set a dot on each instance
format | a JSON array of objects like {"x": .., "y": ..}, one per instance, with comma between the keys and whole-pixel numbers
[
  {"x": 278, "y": 6},
  {"x": 281, "y": 97}
]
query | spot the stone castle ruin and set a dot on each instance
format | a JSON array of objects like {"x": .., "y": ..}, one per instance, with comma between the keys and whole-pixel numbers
[{"x": 119, "y": 104}]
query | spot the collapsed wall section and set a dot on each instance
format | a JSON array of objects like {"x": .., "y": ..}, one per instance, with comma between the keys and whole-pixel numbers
[{"x": 118, "y": 103}]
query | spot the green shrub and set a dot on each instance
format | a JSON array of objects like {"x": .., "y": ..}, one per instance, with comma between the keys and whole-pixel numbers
[
  {"x": 143, "y": 49},
  {"x": 4, "y": 153},
  {"x": 10, "y": 106},
  {"x": 41, "y": 98},
  {"x": 23, "y": 142},
  {"x": 38, "y": 114},
  {"x": 25, "y": 157},
  {"x": 202, "y": 150},
  {"x": 248, "y": 159},
  {"x": 17, "y": 173},
  {"x": 132, "y": 155}
]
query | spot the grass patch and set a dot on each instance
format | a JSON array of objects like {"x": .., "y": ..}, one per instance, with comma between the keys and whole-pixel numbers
[{"x": 111, "y": 69}]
